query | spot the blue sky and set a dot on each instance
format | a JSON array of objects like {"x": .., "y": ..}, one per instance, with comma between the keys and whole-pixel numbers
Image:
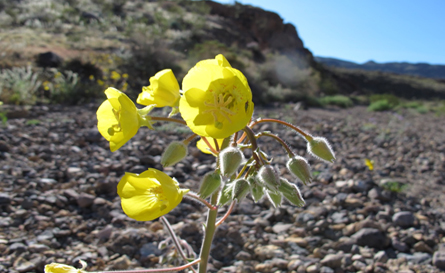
[{"x": 362, "y": 30}]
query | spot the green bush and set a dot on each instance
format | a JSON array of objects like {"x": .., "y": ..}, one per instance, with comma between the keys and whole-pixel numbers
[
  {"x": 380, "y": 105},
  {"x": 19, "y": 85},
  {"x": 337, "y": 100},
  {"x": 392, "y": 100}
]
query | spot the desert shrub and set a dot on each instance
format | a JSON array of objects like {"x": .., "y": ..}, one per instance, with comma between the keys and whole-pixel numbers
[
  {"x": 394, "y": 186},
  {"x": 337, "y": 100},
  {"x": 418, "y": 106},
  {"x": 380, "y": 105},
  {"x": 19, "y": 85},
  {"x": 393, "y": 100}
]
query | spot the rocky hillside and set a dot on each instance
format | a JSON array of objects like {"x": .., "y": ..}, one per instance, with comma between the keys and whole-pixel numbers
[{"x": 414, "y": 69}]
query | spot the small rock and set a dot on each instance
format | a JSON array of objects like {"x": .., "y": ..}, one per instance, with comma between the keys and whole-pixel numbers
[
  {"x": 281, "y": 227},
  {"x": 439, "y": 259},
  {"x": 120, "y": 263},
  {"x": 404, "y": 219},
  {"x": 371, "y": 237},
  {"x": 85, "y": 200},
  {"x": 332, "y": 260},
  {"x": 381, "y": 257}
]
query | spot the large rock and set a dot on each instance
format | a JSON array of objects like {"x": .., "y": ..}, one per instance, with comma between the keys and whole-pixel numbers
[
  {"x": 371, "y": 237},
  {"x": 246, "y": 25}
]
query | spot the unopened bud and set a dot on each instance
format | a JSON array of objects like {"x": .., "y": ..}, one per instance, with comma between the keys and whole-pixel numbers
[
  {"x": 269, "y": 177},
  {"x": 291, "y": 193},
  {"x": 320, "y": 148},
  {"x": 274, "y": 197},
  {"x": 240, "y": 189},
  {"x": 229, "y": 160},
  {"x": 299, "y": 167},
  {"x": 256, "y": 188},
  {"x": 174, "y": 153},
  {"x": 226, "y": 194},
  {"x": 209, "y": 184}
]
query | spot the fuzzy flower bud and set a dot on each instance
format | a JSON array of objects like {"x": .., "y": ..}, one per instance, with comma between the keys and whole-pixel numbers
[
  {"x": 226, "y": 194},
  {"x": 269, "y": 177},
  {"x": 291, "y": 193},
  {"x": 274, "y": 197},
  {"x": 229, "y": 159},
  {"x": 299, "y": 167},
  {"x": 319, "y": 147},
  {"x": 209, "y": 184},
  {"x": 174, "y": 153},
  {"x": 256, "y": 188},
  {"x": 240, "y": 189}
]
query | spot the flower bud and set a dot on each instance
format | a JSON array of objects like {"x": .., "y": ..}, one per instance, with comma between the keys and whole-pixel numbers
[
  {"x": 299, "y": 167},
  {"x": 269, "y": 177},
  {"x": 226, "y": 194},
  {"x": 174, "y": 153},
  {"x": 274, "y": 197},
  {"x": 240, "y": 189},
  {"x": 319, "y": 147},
  {"x": 256, "y": 188},
  {"x": 291, "y": 193},
  {"x": 209, "y": 184},
  {"x": 229, "y": 160}
]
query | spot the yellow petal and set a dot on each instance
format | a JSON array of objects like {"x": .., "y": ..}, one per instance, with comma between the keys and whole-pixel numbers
[
  {"x": 149, "y": 195},
  {"x": 163, "y": 90},
  {"x": 217, "y": 100}
]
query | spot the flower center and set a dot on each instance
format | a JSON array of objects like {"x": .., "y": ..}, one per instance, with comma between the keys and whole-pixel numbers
[
  {"x": 159, "y": 195},
  {"x": 115, "y": 127},
  {"x": 220, "y": 108}
]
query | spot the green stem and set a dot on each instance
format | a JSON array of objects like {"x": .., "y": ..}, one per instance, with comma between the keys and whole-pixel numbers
[
  {"x": 208, "y": 236},
  {"x": 175, "y": 240},
  {"x": 171, "y": 269},
  {"x": 277, "y": 138}
]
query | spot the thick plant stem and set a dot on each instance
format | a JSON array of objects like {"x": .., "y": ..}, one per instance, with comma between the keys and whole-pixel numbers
[{"x": 208, "y": 237}]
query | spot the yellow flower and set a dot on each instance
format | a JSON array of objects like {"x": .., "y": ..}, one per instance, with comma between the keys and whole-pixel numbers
[
  {"x": 217, "y": 100},
  {"x": 163, "y": 90},
  {"x": 149, "y": 195},
  {"x": 63, "y": 268},
  {"x": 100, "y": 82},
  {"x": 369, "y": 163},
  {"x": 201, "y": 145},
  {"x": 115, "y": 76},
  {"x": 118, "y": 119},
  {"x": 91, "y": 77},
  {"x": 125, "y": 75}
]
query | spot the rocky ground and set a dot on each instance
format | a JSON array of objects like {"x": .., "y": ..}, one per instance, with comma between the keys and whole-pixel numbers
[{"x": 58, "y": 200}]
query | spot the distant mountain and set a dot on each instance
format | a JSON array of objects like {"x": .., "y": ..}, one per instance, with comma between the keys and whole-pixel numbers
[{"x": 417, "y": 69}]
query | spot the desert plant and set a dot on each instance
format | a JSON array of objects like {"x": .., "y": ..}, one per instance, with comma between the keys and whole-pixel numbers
[
  {"x": 337, "y": 100},
  {"x": 19, "y": 85},
  {"x": 380, "y": 105}
]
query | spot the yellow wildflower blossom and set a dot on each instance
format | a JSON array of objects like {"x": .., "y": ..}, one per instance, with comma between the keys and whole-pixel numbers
[
  {"x": 91, "y": 77},
  {"x": 125, "y": 75},
  {"x": 201, "y": 145},
  {"x": 100, "y": 82},
  {"x": 63, "y": 268},
  {"x": 163, "y": 90},
  {"x": 369, "y": 163},
  {"x": 118, "y": 119},
  {"x": 149, "y": 195},
  {"x": 115, "y": 76},
  {"x": 217, "y": 100}
]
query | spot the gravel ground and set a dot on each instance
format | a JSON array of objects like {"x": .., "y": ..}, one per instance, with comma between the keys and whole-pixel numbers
[{"x": 58, "y": 200}]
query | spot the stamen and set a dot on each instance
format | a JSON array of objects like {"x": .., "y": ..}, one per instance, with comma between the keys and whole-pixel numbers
[{"x": 220, "y": 106}]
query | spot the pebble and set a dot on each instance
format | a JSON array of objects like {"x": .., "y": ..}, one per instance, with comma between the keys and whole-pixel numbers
[{"x": 404, "y": 219}]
